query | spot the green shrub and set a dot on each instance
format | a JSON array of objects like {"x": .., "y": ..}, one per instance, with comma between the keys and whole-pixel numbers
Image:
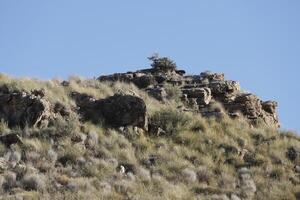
[
  {"x": 162, "y": 63},
  {"x": 173, "y": 92},
  {"x": 170, "y": 120}
]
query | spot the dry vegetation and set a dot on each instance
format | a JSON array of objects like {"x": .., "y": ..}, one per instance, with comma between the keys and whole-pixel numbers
[{"x": 195, "y": 158}]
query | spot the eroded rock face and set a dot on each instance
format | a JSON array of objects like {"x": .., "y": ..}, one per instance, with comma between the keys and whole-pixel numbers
[
  {"x": 201, "y": 92},
  {"x": 24, "y": 109},
  {"x": 117, "y": 110}
]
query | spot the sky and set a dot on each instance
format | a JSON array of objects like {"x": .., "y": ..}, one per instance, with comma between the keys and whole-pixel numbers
[{"x": 255, "y": 42}]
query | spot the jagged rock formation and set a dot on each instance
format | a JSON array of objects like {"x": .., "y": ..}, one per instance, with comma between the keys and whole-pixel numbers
[{"x": 200, "y": 92}]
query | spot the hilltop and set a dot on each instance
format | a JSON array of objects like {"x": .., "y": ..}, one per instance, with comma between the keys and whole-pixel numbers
[{"x": 156, "y": 133}]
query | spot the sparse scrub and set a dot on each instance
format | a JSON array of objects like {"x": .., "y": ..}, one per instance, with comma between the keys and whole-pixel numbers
[
  {"x": 170, "y": 120},
  {"x": 173, "y": 92},
  {"x": 192, "y": 157},
  {"x": 33, "y": 182}
]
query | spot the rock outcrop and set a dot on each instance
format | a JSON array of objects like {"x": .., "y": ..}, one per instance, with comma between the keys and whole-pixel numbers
[
  {"x": 10, "y": 139},
  {"x": 201, "y": 92},
  {"x": 19, "y": 108},
  {"x": 117, "y": 110}
]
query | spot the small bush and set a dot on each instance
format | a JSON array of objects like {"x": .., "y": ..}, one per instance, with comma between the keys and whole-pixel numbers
[
  {"x": 33, "y": 182},
  {"x": 3, "y": 127},
  {"x": 162, "y": 63},
  {"x": 173, "y": 92},
  {"x": 170, "y": 120},
  {"x": 9, "y": 181},
  {"x": 189, "y": 175}
]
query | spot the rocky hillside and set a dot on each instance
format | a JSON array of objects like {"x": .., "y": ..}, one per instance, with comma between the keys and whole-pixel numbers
[{"x": 151, "y": 134}]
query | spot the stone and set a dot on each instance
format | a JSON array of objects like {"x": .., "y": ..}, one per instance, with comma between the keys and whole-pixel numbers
[
  {"x": 297, "y": 169},
  {"x": 292, "y": 153},
  {"x": 144, "y": 81},
  {"x": 203, "y": 95},
  {"x": 123, "y": 110},
  {"x": 10, "y": 139},
  {"x": 158, "y": 93},
  {"x": 269, "y": 106},
  {"x": 61, "y": 109},
  {"x": 220, "y": 88},
  {"x": 212, "y": 76},
  {"x": 117, "y": 111},
  {"x": 24, "y": 109}
]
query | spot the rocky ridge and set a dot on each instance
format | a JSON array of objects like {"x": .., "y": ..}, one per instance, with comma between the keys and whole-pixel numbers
[
  {"x": 201, "y": 92},
  {"x": 124, "y": 144}
]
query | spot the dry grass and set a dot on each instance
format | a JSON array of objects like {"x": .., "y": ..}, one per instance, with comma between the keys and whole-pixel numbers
[{"x": 194, "y": 153}]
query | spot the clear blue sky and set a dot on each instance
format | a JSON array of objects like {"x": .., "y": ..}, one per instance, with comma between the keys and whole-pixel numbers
[{"x": 256, "y": 42}]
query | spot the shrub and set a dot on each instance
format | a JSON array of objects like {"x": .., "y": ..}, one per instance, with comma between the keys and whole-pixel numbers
[
  {"x": 173, "y": 92},
  {"x": 3, "y": 127},
  {"x": 170, "y": 120},
  {"x": 33, "y": 182},
  {"x": 189, "y": 175},
  {"x": 9, "y": 180},
  {"x": 162, "y": 63}
]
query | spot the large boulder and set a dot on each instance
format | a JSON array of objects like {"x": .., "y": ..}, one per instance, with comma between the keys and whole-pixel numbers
[
  {"x": 24, "y": 109},
  {"x": 123, "y": 110},
  {"x": 116, "y": 111}
]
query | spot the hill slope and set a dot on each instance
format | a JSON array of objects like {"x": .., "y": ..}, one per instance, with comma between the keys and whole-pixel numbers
[{"x": 151, "y": 134}]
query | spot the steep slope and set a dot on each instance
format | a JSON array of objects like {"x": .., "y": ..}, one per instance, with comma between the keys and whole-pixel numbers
[{"x": 151, "y": 134}]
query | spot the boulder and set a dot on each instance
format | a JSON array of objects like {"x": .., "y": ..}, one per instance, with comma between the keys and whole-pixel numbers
[
  {"x": 144, "y": 81},
  {"x": 116, "y": 111},
  {"x": 123, "y": 110},
  {"x": 219, "y": 88},
  {"x": 292, "y": 153},
  {"x": 202, "y": 93},
  {"x": 10, "y": 139},
  {"x": 210, "y": 76},
  {"x": 24, "y": 109},
  {"x": 158, "y": 93},
  {"x": 269, "y": 106}
]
